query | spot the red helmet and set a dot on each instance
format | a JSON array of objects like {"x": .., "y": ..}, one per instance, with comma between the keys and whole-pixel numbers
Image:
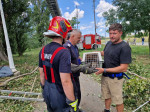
[{"x": 58, "y": 26}]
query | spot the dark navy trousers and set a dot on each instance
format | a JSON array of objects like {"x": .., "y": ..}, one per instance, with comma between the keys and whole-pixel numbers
[
  {"x": 56, "y": 101},
  {"x": 77, "y": 82}
]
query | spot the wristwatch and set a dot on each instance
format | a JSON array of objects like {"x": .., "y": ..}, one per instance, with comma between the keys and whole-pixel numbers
[{"x": 105, "y": 70}]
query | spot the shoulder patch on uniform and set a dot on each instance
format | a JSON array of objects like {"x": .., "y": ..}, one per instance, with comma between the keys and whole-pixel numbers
[{"x": 69, "y": 45}]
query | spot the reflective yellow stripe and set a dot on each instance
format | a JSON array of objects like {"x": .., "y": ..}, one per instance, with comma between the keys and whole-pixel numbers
[
  {"x": 67, "y": 24},
  {"x": 56, "y": 27},
  {"x": 74, "y": 105}
]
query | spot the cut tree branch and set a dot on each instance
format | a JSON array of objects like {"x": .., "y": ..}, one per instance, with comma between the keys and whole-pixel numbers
[
  {"x": 5, "y": 83},
  {"x": 136, "y": 75}
]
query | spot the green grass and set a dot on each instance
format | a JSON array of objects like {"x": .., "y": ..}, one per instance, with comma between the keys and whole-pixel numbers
[
  {"x": 25, "y": 64},
  {"x": 130, "y": 39},
  {"x": 140, "y": 50},
  {"x": 90, "y": 50}
]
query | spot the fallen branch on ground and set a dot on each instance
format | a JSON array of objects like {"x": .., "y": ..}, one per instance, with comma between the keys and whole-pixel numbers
[
  {"x": 135, "y": 75},
  {"x": 4, "y": 83}
]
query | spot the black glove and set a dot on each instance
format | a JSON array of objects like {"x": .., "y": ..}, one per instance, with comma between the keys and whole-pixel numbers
[
  {"x": 42, "y": 86},
  {"x": 73, "y": 105},
  {"x": 82, "y": 68},
  {"x": 87, "y": 70}
]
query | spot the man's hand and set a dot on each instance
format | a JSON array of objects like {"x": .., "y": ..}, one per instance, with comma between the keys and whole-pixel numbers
[
  {"x": 100, "y": 70},
  {"x": 73, "y": 104}
]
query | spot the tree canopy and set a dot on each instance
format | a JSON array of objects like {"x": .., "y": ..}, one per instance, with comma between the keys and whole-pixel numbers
[
  {"x": 74, "y": 22},
  {"x": 134, "y": 15},
  {"x": 26, "y": 20},
  {"x": 17, "y": 24},
  {"x": 40, "y": 18}
]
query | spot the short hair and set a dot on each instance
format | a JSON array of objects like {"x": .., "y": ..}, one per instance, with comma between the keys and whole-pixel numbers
[
  {"x": 116, "y": 26},
  {"x": 74, "y": 31}
]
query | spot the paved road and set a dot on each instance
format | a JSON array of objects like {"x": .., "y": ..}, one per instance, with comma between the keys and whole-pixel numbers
[
  {"x": 91, "y": 93},
  {"x": 138, "y": 43}
]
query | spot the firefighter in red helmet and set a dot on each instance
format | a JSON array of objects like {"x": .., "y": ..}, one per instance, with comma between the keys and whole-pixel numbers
[{"x": 55, "y": 69}]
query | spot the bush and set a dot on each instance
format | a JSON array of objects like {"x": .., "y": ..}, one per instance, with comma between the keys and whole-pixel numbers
[{"x": 136, "y": 90}]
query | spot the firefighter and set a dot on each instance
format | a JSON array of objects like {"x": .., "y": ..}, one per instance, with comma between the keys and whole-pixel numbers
[
  {"x": 117, "y": 57},
  {"x": 55, "y": 67},
  {"x": 73, "y": 39}
]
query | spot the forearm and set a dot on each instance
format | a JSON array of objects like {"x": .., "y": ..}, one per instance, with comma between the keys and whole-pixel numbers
[
  {"x": 42, "y": 78},
  {"x": 102, "y": 53},
  {"x": 68, "y": 89},
  {"x": 67, "y": 86},
  {"x": 80, "y": 58},
  {"x": 118, "y": 69}
]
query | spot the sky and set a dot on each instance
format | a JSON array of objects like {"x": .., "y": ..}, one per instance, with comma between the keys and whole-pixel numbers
[{"x": 85, "y": 13}]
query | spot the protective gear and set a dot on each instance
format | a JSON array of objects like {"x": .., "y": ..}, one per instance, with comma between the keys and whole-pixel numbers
[
  {"x": 73, "y": 105},
  {"x": 83, "y": 68},
  {"x": 106, "y": 110},
  {"x": 113, "y": 75},
  {"x": 58, "y": 26},
  {"x": 42, "y": 86}
]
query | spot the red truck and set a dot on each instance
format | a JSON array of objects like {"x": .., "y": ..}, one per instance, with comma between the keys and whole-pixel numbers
[{"x": 88, "y": 42}]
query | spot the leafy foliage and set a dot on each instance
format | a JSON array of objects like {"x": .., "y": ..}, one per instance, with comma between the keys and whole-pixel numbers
[
  {"x": 137, "y": 91},
  {"x": 17, "y": 17},
  {"x": 26, "y": 23},
  {"x": 133, "y": 15},
  {"x": 136, "y": 12},
  {"x": 73, "y": 22},
  {"x": 110, "y": 16},
  {"x": 24, "y": 64},
  {"x": 40, "y": 18}
]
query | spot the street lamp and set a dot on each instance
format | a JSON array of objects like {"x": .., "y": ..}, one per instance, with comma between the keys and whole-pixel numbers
[{"x": 9, "y": 53}]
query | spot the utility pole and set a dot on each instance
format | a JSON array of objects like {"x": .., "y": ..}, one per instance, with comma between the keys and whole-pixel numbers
[
  {"x": 9, "y": 53},
  {"x": 94, "y": 18},
  {"x": 105, "y": 33},
  {"x": 77, "y": 16}
]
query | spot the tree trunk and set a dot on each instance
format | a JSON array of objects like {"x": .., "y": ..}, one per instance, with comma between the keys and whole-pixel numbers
[{"x": 3, "y": 56}]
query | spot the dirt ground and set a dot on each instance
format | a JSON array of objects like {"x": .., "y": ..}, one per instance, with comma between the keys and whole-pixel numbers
[{"x": 91, "y": 93}]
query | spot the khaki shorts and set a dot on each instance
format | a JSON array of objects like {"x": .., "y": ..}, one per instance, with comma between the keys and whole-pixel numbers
[{"x": 112, "y": 88}]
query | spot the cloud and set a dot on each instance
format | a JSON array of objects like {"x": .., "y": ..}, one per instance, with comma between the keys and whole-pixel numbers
[
  {"x": 67, "y": 8},
  {"x": 100, "y": 30},
  {"x": 76, "y": 3},
  {"x": 101, "y": 23},
  {"x": 69, "y": 16},
  {"x": 85, "y": 27},
  {"x": 103, "y": 6},
  {"x": 92, "y": 22}
]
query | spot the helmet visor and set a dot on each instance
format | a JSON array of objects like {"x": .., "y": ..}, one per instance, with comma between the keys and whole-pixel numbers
[{"x": 50, "y": 33}]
